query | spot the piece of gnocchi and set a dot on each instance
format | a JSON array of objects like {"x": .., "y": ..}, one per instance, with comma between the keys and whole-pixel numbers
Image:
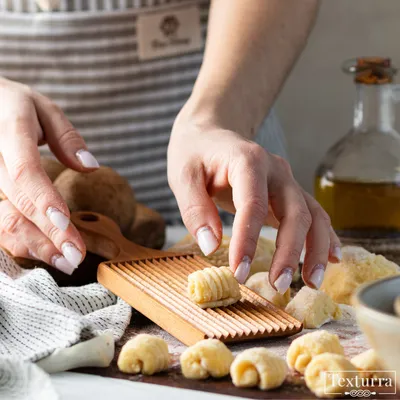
[
  {"x": 259, "y": 283},
  {"x": 369, "y": 364},
  {"x": 209, "y": 357},
  {"x": 258, "y": 367},
  {"x": 329, "y": 375},
  {"x": 144, "y": 354},
  {"x": 303, "y": 349},
  {"x": 313, "y": 308},
  {"x": 213, "y": 287}
]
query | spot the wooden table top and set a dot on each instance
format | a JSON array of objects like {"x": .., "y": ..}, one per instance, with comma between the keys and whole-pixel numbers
[{"x": 293, "y": 388}]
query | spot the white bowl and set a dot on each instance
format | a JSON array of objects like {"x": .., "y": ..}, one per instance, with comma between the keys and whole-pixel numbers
[{"x": 375, "y": 315}]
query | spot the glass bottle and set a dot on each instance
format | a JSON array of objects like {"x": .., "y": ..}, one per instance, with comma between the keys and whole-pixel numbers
[{"x": 358, "y": 181}]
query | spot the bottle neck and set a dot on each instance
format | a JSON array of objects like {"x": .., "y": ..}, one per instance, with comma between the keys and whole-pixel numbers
[{"x": 374, "y": 108}]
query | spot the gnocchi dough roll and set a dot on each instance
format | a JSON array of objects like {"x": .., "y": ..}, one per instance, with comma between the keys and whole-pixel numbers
[
  {"x": 326, "y": 373},
  {"x": 213, "y": 287},
  {"x": 369, "y": 364},
  {"x": 258, "y": 367},
  {"x": 144, "y": 354},
  {"x": 303, "y": 349},
  {"x": 209, "y": 357}
]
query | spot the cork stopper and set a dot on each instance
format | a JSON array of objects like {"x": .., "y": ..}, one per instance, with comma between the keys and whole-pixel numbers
[{"x": 371, "y": 70}]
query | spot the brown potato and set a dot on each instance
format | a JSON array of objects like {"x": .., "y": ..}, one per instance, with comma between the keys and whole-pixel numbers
[
  {"x": 148, "y": 228},
  {"x": 52, "y": 167},
  {"x": 103, "y": 191}
]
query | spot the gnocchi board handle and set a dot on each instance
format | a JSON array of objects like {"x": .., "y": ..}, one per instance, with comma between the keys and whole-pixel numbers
[{"x": 103, "y": 237}]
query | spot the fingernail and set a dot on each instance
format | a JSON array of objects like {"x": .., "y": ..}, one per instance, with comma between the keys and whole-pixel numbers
[
  {"x": 206, "y": 240},
  {"x": 62, "y": 264},
  {"x": 32, "y": 255},
  {"x": 87, "y": 159},
  {"x": 317, "y": 276},
  {"x": 243, "y": 269},
  {"x": 57, "y": 218},
  {"x": 337, "y": 253},
  {"x": 71, "y": 253},
  {"x": 284, "y": 280}
]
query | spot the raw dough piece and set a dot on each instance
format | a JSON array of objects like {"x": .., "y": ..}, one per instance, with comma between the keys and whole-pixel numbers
[
  {"x": 303, "y": 349},
  {"x": 259, "y": 283},
  {"x": 213, "y": 287},
  {"x": 368, "y": 363},
  {"x": 258, "y": 367},
  {"x": 144, "y": 354},
  {"x": 322, "y": 383},
  {"x": 205, "y": 358},
  {"x": 357, "y": 267},
  {"x": 396, "y": 306},
  {"x": 313, "y": 308}
]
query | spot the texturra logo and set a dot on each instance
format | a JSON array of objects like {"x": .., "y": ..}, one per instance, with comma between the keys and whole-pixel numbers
[
  {"x": 383, "y": 382},
  {"x": 169, "y": 25}
]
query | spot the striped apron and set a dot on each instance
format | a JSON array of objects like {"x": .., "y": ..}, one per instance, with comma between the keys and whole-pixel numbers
[{"x": 83, "y": 54}]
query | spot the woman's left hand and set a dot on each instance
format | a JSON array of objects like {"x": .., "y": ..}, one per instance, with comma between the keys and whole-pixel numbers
[{"x": 209, "y": 166}]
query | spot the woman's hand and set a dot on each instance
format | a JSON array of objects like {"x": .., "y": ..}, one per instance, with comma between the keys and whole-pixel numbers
[
  {"x": 35, "y": 221},
  {"x": 209, "y": 166}
]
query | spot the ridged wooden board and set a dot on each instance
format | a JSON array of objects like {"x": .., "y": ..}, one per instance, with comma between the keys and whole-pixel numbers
[{"x": 155, "y": 284}]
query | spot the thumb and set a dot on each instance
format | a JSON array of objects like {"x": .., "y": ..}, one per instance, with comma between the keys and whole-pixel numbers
[
  {"x": 199, "y": 212},
  {"x": 63, "y": 139}
]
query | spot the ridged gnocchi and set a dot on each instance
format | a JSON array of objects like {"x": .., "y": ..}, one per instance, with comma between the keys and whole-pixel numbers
[
  {"x": 303, "y": 349},
  {"x": 209, "y": 357},
  {"x": 258, "y": 367},
  {"x": 213, "y": 287},
  {"x": 368, "y": 364},
  {"x": 326, "y": 372},
  {"x": 144, "y": 354},
  {"x": 313, "y": 308},
  {"x": 259, "y": 283}
]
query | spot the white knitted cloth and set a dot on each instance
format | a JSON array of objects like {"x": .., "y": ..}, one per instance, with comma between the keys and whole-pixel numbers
[{"x": 38, "y": 317}]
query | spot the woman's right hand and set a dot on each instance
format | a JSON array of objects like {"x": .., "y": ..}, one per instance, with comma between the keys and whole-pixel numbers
[{"x": 35, "y": 221}]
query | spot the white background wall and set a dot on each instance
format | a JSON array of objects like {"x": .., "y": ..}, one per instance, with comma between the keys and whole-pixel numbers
[{"x": 315, "y": 107}]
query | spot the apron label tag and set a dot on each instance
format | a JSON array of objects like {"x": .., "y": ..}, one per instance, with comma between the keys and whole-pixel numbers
[{"x": 167, "y": 33}]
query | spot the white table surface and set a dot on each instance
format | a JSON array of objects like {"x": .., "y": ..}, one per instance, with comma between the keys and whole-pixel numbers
[{"x": 76, "y": 386}]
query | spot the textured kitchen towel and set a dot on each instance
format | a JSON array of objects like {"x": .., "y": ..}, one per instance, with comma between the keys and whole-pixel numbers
[{"x": 38, "y": 317}]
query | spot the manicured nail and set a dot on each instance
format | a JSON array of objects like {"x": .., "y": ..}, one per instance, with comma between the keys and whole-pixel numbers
[
  {"x": 317, "y": 276},
  {"x": 337, "y": 253},
  {"x": 33, "y": 255},
  {"x": 57, "y": 218},
  {"x": 284, "y": 280},
  {"x": 87, "y": 159},
  {"x": 71, "y": 253},
  {"x": 62, "y": 264},
  {"x": 242, "y": 271},
  {"x": 206, "y": 240}
]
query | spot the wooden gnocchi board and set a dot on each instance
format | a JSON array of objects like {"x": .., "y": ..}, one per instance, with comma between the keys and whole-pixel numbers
[{"x": 155, "y": 283}]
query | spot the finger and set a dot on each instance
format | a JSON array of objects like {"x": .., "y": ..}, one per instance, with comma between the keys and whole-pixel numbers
[
  {"x": 335, "y": 252},
  {"x": 22, "y": 238},
  {"x": 250, "y": 198},
  {"x": 317, "y": 244},
  {"x": 22, "y": 161},
  {"x": 13, "y": 247},
  {"x": 199, "y": 213},
  {"x": 63, "y": 139},
  {"x": 224, "y": 200},
  {"x": 69, "y": 242},
  {"x": 290, "y": 209}
]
